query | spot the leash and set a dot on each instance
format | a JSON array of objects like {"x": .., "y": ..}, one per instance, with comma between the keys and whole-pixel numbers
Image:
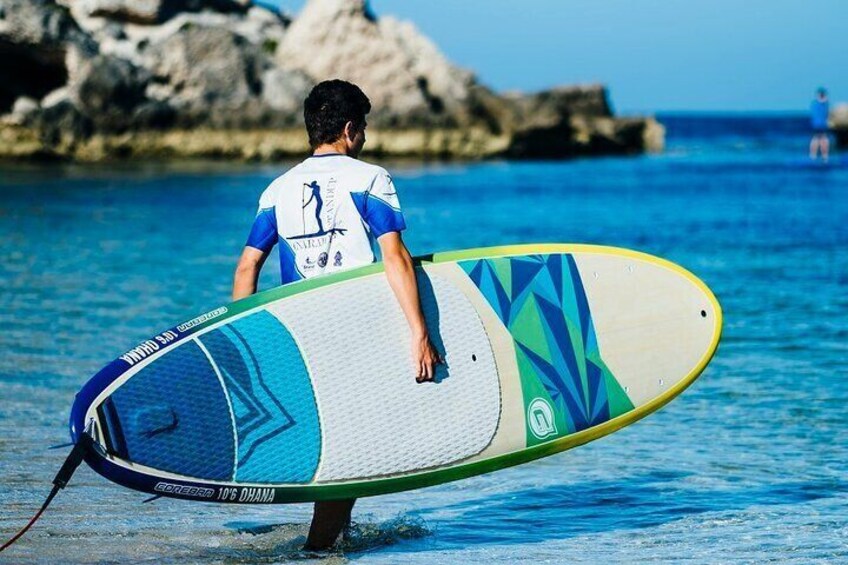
[{"x": 61, "y": 479}]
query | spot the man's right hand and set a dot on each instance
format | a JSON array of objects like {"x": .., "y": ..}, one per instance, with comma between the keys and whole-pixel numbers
[
  {"x": 426, "y": 358},
  {"x": 401, "y": 274}
]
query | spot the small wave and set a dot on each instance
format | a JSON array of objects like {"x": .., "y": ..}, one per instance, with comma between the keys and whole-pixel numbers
[
  {"x": 270, "y": 543},
  {"x": 364, "y": 536}
]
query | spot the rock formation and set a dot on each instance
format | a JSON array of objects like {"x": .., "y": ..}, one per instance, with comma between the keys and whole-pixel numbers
[
  {"x": 839, "y": 123},
  {"x": 150, "y": 12},
  {"x": 99, "y": 79},
  {"x": 36, "y": 37},
  {"x": 408, "y": 81}
]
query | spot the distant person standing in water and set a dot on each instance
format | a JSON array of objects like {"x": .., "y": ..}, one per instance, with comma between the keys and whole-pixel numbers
[{"x": 819, "y": 111}]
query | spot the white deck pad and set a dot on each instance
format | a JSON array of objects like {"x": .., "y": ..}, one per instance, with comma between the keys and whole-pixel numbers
[{"x": 375, "y": 419}]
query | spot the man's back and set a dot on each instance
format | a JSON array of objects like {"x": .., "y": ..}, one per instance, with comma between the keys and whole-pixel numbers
[{"x": 326, "y": 214}]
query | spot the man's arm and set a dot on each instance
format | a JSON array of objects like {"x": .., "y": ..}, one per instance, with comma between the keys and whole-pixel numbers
[
  {"x": 401, "y": 274},
  {"x": 247, "y": 272}
]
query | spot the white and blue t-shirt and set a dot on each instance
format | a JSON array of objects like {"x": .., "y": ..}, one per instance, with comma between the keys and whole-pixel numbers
[{"x": 326, "y": 213}]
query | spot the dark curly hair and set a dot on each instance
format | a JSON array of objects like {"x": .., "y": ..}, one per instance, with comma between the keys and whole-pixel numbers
[{"x": 330, "y": 105}]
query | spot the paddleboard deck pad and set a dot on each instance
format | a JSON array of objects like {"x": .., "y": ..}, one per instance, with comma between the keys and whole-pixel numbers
[{"x": 307, "y": 391}]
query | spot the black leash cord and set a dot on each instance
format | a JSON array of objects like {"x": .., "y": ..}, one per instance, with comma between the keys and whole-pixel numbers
[
  {"x": 33, "y": 519},
  {"x": 59, "y": 481}
]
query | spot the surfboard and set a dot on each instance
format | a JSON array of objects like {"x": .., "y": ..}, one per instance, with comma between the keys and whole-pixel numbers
[{"x": 307, "y": 392}]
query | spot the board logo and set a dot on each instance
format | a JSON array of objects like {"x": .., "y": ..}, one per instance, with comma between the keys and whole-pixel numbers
[
  {"x": 202, "y": 318},
  {"x": 540, "y": 417},
  {"x": 184, "y": 490}
]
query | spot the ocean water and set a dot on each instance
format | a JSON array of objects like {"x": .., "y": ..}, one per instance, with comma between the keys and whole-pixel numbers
[{"x": 749, "y": 465}]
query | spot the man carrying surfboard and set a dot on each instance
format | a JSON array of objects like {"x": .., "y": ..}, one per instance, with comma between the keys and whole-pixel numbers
[{"x": 326, "y": 213}]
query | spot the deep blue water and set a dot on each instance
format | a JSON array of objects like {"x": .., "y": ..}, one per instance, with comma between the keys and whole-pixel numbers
[{"x": 748, "y": 465}]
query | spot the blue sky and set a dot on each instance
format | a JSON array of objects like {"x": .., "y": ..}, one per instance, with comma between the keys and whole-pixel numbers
[{"x": 655, "y": 55}]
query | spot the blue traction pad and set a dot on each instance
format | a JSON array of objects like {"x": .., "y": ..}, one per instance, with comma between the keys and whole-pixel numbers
[
  {"x": 279, "y": 436},
  {"x": 175, "y": 417}
]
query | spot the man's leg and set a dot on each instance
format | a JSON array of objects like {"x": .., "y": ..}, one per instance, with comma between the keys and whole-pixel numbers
[
  {"x": 825, "y": 147},
  {"x": 328, "y": 520},
  {"x": 814, "y": 146}
]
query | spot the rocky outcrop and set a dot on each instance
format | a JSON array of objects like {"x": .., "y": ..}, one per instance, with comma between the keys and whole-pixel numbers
[
  {"x": 36, "y": 39},
  {"x": 408, "y": 80},
  {"x": 108, "y": 91},
  {"x": 839, "y": 123},
  {"x": 574, "y": 121},
  {"x": 99, "y": 79},
  {"x": 151, "y": 11},
  {"x": 140, "y": 11},
  {"x": 209, "y": 74}
]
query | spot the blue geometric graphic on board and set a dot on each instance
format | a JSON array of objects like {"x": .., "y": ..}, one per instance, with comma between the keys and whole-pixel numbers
[
  {"x": 279, "y": 437},
  {"x": 541, "y": 301}
]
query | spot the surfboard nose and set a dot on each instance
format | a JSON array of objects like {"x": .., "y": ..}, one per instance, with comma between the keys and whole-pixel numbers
[
  {"x": 658, "y": 325},
  {"x": 172, "y": 416},
  {"x": 232, "y": 404}
]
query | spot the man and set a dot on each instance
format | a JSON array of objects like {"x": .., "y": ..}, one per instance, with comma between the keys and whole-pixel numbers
[
  {"x": 326, "y": 213},
  {"x": 819, "y": 111}
]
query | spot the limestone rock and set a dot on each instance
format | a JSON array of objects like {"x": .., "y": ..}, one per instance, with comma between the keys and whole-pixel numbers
[
  {"x": 24, "y": 106},
  {"x": 554, "y": 107},
  {"x": 23, "y": 111},
  {"x": 193, "y": 78},
  {"x": 443, "y": 85},
  {"x": 263, "y": 26},
  {"x": 209, "y": 75},
  {"x": 56, "y": 98},
  {"x": 575, "y": 120},
  {"x": 108, "y": 90},
  {"x": 404, "y": 75},
  {"x": 35, "y": 37},
  {"x": 284, "y": 91},
  {"x": 139, "y": 11},
  {"x": 60, "y": 122},
  {"x": 839, "y": 123},
  {"x": 150, "y": 12},
  {"x": 653, "y": 136},
  {"x": 153, "y": 115},
  {"x": 38, "y": 23}
]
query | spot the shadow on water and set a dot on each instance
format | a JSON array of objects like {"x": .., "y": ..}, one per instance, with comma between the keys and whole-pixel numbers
[{"x": 565, "y": 511}]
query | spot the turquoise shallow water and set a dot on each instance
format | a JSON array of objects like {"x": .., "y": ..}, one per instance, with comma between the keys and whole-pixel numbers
[{"x": 748, "y": 465}]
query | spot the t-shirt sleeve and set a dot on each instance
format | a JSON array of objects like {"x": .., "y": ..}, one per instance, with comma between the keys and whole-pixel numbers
[
  {"x": 381, "y": 207},
  {"x": 263, "y": 234}
]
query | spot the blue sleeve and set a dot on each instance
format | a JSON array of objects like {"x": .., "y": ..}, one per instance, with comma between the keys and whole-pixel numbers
[
  {"x": 379, "y": 207},
  {"x": 263, "y": 234}
]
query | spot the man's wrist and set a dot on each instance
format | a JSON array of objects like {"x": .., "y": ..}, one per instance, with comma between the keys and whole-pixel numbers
[{"x": 420, "y": 333}]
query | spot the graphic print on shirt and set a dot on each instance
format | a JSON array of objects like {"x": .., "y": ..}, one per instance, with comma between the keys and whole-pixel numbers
[
  {"x": 319, "y": 226},
  {"x": 326, "y": 214},
  {"x": 316, "y": 229}
]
